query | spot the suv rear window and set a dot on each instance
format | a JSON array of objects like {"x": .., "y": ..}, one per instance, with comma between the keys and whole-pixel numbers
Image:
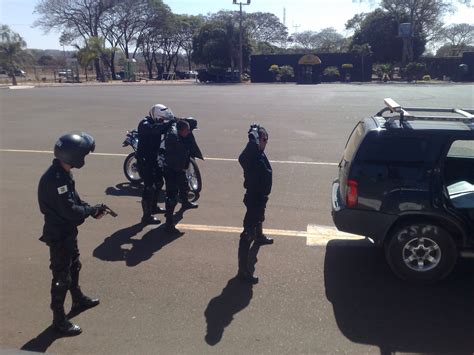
[
  {"x": 396, "y": 149},
  {"x": 353, "y": 142}
]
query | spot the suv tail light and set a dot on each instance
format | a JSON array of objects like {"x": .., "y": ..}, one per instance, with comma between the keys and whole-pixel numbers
[{"x": 352, "y": 193}]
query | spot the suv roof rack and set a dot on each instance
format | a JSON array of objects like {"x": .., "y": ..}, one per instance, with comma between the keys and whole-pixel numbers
[{"x": 465, "y": 115}]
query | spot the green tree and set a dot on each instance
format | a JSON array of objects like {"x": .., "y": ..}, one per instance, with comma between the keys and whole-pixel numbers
[
  {"x": 74, "y": 18},
  {"x": 327, "y": 40},
  {"x": 379, "y": 29},
  {"x": 457, "y": 38},
  {"x": 85, "y": 56},
  {"x": 152, "y": 39},
  {"x": 47, "y": 61},
  {"x": 265, "y": 27},
  {"x": 216, "y": 44},
  {"x": 362, "y": 50},
  {"x": 12, "y": 51},
  {"x": 191, "y": 27}
]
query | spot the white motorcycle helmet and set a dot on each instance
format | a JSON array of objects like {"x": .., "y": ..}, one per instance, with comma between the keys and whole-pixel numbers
[{"x": 161, "y": 113}]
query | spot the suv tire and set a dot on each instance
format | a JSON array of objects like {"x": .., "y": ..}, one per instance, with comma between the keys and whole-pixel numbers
[{"x": 421, "y": 252}]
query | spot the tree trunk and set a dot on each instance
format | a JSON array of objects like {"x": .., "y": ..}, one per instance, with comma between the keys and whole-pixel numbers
[
  {"x": 14, "y": 82},
  {"x": 112, "y": 66},
  {"x": 98, "y": 72}
]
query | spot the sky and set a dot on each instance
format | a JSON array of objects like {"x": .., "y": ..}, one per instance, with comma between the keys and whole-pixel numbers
[{"x": 301, "y": 15}]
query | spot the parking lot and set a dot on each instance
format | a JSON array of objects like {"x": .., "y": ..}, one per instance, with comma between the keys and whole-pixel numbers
[{"x": 179, "y": 295}]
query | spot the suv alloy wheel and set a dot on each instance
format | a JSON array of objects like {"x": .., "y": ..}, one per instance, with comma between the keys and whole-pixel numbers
[{"x": 422, "y": 252}]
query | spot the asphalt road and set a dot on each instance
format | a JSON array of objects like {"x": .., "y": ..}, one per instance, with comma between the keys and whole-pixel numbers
[{"x": 179, "y": 295}]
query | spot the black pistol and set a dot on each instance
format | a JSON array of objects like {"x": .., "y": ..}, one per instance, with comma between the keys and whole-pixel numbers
[{"x": 108, "y": 210}]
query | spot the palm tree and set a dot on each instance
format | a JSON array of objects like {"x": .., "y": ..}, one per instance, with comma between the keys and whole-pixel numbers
[
  {"x": 85, "y": 56},
  {"x": 12, "y": 52}
]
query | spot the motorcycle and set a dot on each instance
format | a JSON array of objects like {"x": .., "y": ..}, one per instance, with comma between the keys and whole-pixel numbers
[{"x": 130, "y": 168}]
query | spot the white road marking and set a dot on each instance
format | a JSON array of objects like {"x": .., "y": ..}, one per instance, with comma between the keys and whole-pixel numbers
[
  {"x": 22, "y": 87},
  {"x": 315, "y": 235},
  {"x": 322, "y": 235},
  {"x": 206, "y": 158}
]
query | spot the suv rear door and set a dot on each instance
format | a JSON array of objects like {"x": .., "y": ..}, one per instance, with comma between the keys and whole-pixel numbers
[{"x": 350, "y": 151}]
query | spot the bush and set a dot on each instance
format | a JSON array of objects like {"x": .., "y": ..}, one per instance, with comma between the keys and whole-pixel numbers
[
  {"x": 415, "y": 71},
  {"x": 286, "y": 73},
  {"x": 384, "y": 71},
  {"x": 331, "y": 74},
  {"x": 274, "y": 70},
  {"x": 426, "y": 78},
  {"x": 283, "y": 74}
]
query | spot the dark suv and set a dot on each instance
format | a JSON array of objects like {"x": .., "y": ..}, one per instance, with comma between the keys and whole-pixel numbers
[{"x": 406, "y": 181}]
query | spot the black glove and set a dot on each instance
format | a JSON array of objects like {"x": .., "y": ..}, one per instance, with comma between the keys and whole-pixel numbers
[
  {"x": 97, "y": 210},
  {"x": 253, "y": 133}
]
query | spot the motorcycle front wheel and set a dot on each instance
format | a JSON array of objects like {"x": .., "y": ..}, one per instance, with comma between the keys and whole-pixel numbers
[{"x": 130, "y": 169}]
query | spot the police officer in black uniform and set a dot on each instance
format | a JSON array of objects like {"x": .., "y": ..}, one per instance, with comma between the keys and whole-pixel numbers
[
  {"x": 258, "y": 185},
  {"x": 63, "y": 212},
  {"x": 150, "y": 132},
  {"x": 180, "y": 146}
]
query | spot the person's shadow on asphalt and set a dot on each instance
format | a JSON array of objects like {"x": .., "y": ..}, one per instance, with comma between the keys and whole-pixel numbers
[
  {"x": 125, "y": 189},
  {"x": 129, "y": 189},
  {"x": 43, "y": 341},
  {"x": 113, "y": 248},
  {"x": 234, "y": 298}
]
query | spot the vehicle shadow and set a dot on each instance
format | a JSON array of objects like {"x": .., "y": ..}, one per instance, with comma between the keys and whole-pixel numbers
[
  {"x": 42, "y": 341},
  {"x": 121, "y": 246},
  {"x": 235, "y": 296},
  {"x": 372, "y": 306}
]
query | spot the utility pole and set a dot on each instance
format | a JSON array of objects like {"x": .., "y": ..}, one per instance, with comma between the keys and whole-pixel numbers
[{"x": 241, "y": 50}]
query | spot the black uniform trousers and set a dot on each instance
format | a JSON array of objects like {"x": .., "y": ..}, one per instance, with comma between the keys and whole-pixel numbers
[
  {"x": 65, "y": 266},
  {"x": 254, "y": 217},
  {"x": 176, "y": 185},
  {"x": 153, "y": 181}
]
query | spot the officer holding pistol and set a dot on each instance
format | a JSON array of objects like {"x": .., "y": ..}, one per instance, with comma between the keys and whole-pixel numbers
[
  {"x": 258, "y": 185},
  {"x": 63, "y": 212}
]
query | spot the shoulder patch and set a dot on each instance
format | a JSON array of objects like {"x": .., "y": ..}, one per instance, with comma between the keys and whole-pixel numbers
[{"x": 62, "y": 189}]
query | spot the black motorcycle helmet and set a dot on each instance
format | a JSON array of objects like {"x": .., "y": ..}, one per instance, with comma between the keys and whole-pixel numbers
[{"x": 72, "y": 148}]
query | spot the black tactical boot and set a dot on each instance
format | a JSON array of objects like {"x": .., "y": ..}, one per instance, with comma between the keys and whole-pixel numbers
[
  {"x": 158, "y": 210},
  {"x": 147, "y": 213},
  {"x": 187, "y": 205},
  {"x": 260, "y": 238},
  {"x": 150, "y": 220},
  {"x": 83, "y": 303},
  {"x": 63, "y": 325},
  {"x": 170, "y": 227},
  {"x": 244, "y": 273}
]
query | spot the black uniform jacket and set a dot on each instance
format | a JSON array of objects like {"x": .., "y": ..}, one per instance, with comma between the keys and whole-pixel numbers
[
  {"x": 257, "y": 170},
  {"x": 179, "y": 150},
  {"x": 149, "y": 138},
  {"x": 59, "y": 202}
]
